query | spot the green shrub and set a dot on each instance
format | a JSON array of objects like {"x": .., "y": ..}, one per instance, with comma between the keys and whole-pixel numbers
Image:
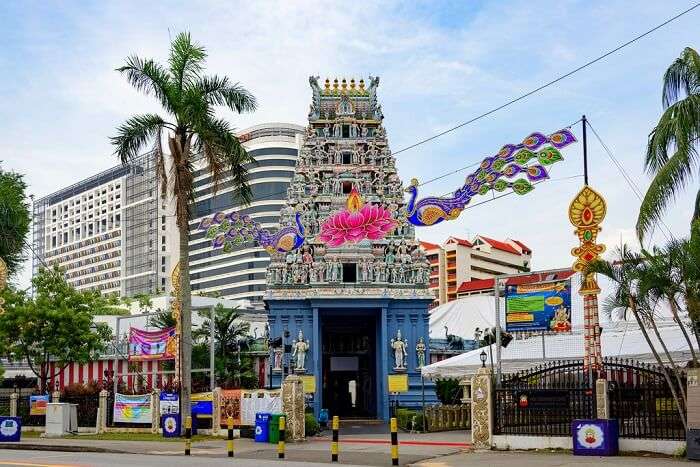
[
  {"x": 449, "y": 392},
  {"x": 311, "y": 425},
  {"x": 404, "y": 417}
]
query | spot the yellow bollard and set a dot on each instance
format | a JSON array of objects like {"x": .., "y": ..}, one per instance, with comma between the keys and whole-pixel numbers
[
  {"x": 280, "y": 443},
  {"x": 334, "y": 443},
  {"x": 188, "y": 435},
  {"x": 229, "y": 443},
  {"x": 394, "y": 442}
]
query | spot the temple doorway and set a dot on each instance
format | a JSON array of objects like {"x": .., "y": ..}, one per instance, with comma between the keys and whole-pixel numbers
[{"x": 349, "y": 365}]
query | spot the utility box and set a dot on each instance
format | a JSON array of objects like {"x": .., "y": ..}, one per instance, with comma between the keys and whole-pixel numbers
[{"x": 61, "y": 418}]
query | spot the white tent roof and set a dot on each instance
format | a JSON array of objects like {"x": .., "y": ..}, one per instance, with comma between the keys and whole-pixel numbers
[{"x": 621, "y": 339}]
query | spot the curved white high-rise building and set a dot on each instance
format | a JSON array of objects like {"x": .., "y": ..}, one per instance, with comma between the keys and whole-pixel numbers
[{"x": 241, "y": 274}]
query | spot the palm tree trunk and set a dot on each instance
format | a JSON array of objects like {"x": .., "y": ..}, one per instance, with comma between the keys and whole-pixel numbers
[
  {"x": 185, "y": 321},
  {"x": 677, "y": 319},
  {"x": 676, "y": 373},
  {"x": 671, "y": 386}
]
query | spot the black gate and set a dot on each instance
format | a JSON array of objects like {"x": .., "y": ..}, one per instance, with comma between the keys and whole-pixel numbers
[
  {"x": 544, "y": 400},
  {"x": 642, "y": 401}
]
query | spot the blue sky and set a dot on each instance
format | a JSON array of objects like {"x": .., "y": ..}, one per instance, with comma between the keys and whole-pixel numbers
[{"x": 440, "y": 63}]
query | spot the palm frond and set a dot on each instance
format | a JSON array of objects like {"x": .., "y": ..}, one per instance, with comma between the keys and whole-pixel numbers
[
  {"x": 678, "y": 127},
  {"x": 135, "y": 133},
  {"x": 186, "y": 60},
  {"x": 150, "y": 78},
  {"x": 218, "y": 91},
  {"x": 671, "y": 178},
  {"x": 682, "y": 77}
]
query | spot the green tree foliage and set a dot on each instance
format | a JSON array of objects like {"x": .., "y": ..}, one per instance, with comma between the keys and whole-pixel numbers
[
  {"x": 190, "y": 127},
  {"x": 14, "y": 219},
  {"x": 672, "y": 152},
  {"x": 56, "y": 324}
]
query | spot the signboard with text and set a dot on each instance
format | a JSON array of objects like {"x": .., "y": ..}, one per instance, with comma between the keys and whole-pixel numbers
[
  {"x": 397, "y": 383},
  {"x": 539, "y": 307}
]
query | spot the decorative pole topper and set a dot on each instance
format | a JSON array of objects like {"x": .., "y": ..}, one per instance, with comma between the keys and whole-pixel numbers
[{"x": 586, "y": 212}]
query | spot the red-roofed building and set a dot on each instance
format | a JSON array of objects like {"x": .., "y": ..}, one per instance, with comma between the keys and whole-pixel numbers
[
  {"x": 485, "y": 286},
  {"x": 457, "y": 261}
]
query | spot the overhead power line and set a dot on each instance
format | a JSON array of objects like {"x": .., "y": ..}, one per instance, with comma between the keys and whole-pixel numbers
[{"x": 549, "y": 83}]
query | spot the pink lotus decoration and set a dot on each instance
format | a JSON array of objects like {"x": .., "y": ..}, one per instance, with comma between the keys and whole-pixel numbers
[{"x": 357, "y": 222}]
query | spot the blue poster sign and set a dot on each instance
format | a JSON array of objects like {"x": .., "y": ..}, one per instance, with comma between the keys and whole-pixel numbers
[
  {"x": 10, "y": 429},
  {"x": 539, "y": 307},
  {"x": 169, "y": 403},
  {"x": 595, "y": 437},
  {"x": 171, "y": 425}
]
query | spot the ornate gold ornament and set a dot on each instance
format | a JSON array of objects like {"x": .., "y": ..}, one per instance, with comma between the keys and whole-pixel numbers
[
  {"x": 175, "y": 310},
  {"x": 586, "y": 212}
]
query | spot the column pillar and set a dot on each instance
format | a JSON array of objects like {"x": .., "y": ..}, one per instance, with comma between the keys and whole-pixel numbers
[
  {"x": 14, "y": 397},
  {"x": 155, "y": 410},
  {"x": 602, "y": 404},
  {"x": 216, "y": 416},
  {"x": 293, "y": 407},
  {"x": 102, "y": 412},
  {"x": 482, "y": 407}
]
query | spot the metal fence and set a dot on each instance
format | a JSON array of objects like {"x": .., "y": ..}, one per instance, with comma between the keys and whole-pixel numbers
[
  {"x": 23, "y": 412},
  {"x": 642, "y": 401},
  {"x": 544, "y": 400},
  {"x": 5, "y": 405}
]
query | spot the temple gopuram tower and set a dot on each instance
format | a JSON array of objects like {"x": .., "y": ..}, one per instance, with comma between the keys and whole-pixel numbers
[{"x": 351, "y": 304}]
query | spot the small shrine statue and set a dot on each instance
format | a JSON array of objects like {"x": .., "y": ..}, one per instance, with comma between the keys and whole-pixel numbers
[
  {"x": 398, "y": 345},
  {"x": 420, "y": 353},
  {"x": 300, "y": 348},
  {"x": 277, "y": 363}
]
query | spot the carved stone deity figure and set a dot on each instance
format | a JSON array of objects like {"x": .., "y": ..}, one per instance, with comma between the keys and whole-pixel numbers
[
  {"x": 313, "y": 273},
  {"x": 330, "y": 271},
  {"x": 370, "y": 270},
  {"x": 277, "y": 359},
  {"x": 327, "y": 130},
  {"x": 326, "y": 186},
  {"x": 398, "y": 345},
  {"x": 363, "y": 131},
  {"x": 420, "y": 353},
  {"x": 354, "y": 130},
  {"x": 337, "y": 156},
  {"x": 315, "y": 109},
  {"x": 320, "y": 271},
  {"x": 338, "y": 270},
  {"x": 364, "y": 270},
  {"x": 336, "y": 130},
  {"x": 379, "y": 271},
  {"x": 299, "y": 349}
]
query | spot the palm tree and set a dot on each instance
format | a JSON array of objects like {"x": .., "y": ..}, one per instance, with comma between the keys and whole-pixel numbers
[
  {"x": 625, "y": 278},
  {"x": 191, "y": 128},
  {"x": 677, "y": 131}
]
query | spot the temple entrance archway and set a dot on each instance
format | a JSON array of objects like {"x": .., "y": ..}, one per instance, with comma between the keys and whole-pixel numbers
[{"x": 349, "y": 365}]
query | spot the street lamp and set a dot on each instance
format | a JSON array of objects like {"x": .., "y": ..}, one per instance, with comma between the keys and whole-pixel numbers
[{"x": 482, "y": 357}]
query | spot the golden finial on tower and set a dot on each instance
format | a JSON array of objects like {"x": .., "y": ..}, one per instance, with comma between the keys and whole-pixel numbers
[
  {"x": 344, "y": 86},
  {"x": 335, "y": 85},
  {"x": 352, "y": 85},
  {"x": 362, "y": 85},
  {"x": 327, "y": 85}
]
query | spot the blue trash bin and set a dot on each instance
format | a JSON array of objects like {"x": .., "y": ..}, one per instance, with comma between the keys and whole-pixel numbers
[
  {"x": 262, "y": 427},
  {"x": 171, "y": 425}
]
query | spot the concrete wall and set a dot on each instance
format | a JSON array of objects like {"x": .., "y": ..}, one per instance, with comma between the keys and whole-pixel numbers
[{"x": 515, "y": 442}]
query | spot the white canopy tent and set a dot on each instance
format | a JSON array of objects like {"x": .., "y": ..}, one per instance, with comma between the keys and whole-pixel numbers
[{"x": 621, "y": 339}]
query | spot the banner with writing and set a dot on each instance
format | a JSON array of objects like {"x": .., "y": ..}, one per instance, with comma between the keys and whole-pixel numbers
[
  {"x": 132, "y": 409},
  {"x": 202, "y": 404},
  {"x": 539, "y": 307},
  {"x": 37, "y": 404},
  {"x": 152, "y": 345},
  {"x": 230, "y": 403},
  {"x": 169, "y": 403}
]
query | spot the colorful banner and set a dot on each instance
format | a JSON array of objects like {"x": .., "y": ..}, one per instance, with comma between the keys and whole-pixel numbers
[
  {"x": 152, "y": 345},
  {"x": 37, "y": 404},
  {"x": 202, "y": 404},
  {"x": 169, "y": 403},
  {"x": 230, "y": 403},
  {"x": 539, "y": 307},
  {"x": 132, "y": 409}
]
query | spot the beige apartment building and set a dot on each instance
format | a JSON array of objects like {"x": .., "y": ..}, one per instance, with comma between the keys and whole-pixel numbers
[{"x": 457, "y": 261}]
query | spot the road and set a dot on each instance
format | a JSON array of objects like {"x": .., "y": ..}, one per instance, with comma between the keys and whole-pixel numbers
[{"x": 85, "y": 459}]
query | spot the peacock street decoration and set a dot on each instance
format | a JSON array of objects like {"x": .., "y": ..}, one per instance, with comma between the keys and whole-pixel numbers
[
  {"x": 511, "y": 161},
  {"x": 360, "y": 220},
  {"x": 229, "y": 230}
]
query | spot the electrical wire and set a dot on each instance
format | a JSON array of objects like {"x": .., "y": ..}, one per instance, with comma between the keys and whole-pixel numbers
[{"x": 630, "y": 182}]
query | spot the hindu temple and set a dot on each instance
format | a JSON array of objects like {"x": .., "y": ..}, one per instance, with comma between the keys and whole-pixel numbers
[{"x": 351, "y": 303}]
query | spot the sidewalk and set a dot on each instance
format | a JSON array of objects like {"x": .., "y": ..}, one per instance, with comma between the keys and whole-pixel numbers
[{"x": 543, "y": 459}]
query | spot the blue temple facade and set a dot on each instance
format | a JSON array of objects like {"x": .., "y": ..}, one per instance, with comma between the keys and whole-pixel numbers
[{"x": 350, "y": 316}]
